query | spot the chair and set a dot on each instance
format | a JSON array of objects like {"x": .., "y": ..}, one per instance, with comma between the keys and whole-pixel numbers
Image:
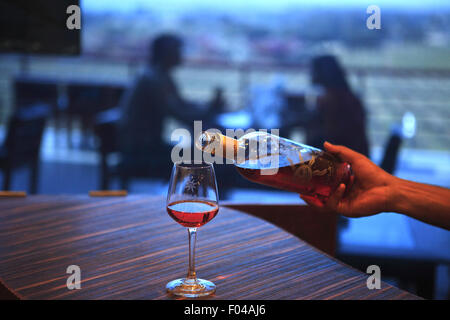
[
  {"x": 22, "y": 144},
  {"x": 86, "y": 100},
  {"x": 29, "y": 91},
  {"x": 105, "y": 128}
]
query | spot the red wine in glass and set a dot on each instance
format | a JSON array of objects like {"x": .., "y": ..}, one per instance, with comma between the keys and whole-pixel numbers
[
  {"x": 192, "y": 202},
  {"x": 192, "y": 213}
]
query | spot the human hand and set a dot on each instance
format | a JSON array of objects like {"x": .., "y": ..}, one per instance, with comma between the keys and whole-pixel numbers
[{"x": 370, "y": 191}]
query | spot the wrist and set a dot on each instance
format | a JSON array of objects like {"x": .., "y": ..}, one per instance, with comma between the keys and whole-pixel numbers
[{"x": 395, "y": 196}]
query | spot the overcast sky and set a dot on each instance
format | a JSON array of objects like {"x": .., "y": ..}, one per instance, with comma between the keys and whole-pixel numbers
[{"x": 271, "y": 5}]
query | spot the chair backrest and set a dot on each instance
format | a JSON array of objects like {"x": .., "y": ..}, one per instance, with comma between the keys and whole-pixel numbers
[
  {"x": 106, "y": 129},
  {"x": 28, "y": 91},
  {"x": 25, "y": 130},
  {"x": 88, "y": 99}
]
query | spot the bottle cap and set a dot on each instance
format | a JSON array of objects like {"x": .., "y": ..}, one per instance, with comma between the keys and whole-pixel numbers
[{"x": 218, "y": 145}]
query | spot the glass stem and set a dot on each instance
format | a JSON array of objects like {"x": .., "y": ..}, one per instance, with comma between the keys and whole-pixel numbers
[{"x": 192, "y": 232}]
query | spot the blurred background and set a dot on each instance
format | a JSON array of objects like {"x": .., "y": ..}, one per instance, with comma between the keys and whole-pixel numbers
[{"x": 247, "y": 64}]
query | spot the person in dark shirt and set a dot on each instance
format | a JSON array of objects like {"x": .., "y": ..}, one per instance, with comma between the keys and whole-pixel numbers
[
  {"x": 152, "y": 99},
  {"x": 339, "y": 116}
]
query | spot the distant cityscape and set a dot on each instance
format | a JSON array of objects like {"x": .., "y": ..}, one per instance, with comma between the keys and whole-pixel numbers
[{"x": 289, "y": 37}]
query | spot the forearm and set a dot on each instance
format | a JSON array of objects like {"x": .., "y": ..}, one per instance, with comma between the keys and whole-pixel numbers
[{"x": 430, "y": 204}]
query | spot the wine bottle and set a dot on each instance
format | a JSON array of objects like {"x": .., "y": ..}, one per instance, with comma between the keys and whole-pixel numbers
[{"x": 281, "y": 163}]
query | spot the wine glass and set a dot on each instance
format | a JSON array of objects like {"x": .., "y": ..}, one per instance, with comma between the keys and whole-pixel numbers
[{"x": 192, "y": 202}]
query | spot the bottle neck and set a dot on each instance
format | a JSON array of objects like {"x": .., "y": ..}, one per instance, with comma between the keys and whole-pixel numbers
[{"x": 219, "y": 145}]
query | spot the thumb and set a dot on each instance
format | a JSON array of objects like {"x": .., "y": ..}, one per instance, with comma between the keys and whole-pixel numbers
[{"x": 344, "y": 153}]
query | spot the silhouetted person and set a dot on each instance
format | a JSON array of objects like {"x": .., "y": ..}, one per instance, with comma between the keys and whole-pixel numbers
[
  {"x": 153, "y": 98},
  {"x": 339, "y": 116}
]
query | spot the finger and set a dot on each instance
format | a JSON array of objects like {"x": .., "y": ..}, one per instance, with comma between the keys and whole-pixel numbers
[
  {"x": 342, "y": 152},
  {"x": 349, "y": 185},
  {"x": 335, "y": 198},
  {"x": 312, "y": 201}
]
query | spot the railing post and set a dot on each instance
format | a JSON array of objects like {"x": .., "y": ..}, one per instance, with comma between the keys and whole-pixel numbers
[{"x": 244, "y": 83}]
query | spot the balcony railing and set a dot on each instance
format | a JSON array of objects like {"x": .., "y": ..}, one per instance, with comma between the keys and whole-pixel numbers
[{"x": 386, "y": 92}]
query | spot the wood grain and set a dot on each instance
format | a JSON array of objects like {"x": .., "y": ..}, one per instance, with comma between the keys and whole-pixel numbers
[
  {"x": 317, "y": 228},
  {"x": 129, "y": 248}
]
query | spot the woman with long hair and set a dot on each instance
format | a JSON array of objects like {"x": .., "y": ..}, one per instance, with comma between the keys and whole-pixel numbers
[{"x": 340, "y": 117}]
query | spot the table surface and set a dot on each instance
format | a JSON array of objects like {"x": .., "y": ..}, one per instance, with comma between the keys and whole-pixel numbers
[{"x": 129, "y": 248}]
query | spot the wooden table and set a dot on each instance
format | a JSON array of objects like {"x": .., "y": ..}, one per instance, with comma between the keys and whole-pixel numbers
[{"x": 129, "y": 248}]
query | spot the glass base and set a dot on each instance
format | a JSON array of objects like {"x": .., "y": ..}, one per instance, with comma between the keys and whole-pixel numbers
[{"x": 190, "y": 288}]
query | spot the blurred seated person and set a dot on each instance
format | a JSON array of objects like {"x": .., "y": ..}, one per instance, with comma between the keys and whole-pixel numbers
[
  {"x": 339, "y": 116},
  {"x": 153, "y": 98}
]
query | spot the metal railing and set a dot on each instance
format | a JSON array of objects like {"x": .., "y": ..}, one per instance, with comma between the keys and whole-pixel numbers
[{"x": 386, "y": 92}]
